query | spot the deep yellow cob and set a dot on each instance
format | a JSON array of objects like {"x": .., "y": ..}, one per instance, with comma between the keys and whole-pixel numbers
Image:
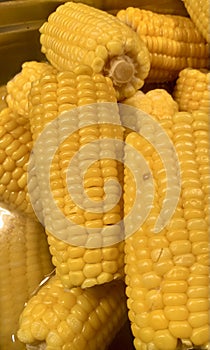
[
  {"x": 24, "y": 261},
  {"x": 79, "y": 34},
  {"x": 15, "y": 148},
  {"x": 199, "y": 13},
  {"x": 192, "y": 90},
  {"x": 174, "y": 42},
  {"x": 80, "y": 319},
  {"x": 3, "y": 93},
  {"x": 19, "y": 86},
  {"x": 77, "y": 264},
  {"x": 167, "y": 272}
]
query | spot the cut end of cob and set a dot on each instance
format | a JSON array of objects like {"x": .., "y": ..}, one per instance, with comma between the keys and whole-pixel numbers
[{"x": 121, "y": 70}]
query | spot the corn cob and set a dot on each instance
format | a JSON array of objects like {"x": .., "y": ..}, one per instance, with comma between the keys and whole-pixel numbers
[
  {"x": 15, "y": 148},
  {"x": 3, "y": 92},
  {"x": 24, "y": 261},
  {"x": 18, "y": 87},
  {"x": 71, "y": 37},
  {"x": 199, "y": 13},
  {"x": 158, "y": 103},
  {"x": 77, "y": 264},
  {"x": 83, "y": 319},
  {"x": 174, "y": 42},
  {"x": 192, "y": 90},
  {"x": 167, "y": 273}
]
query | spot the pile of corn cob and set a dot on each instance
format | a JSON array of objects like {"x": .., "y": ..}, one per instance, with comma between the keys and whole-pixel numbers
[{"x": 159, "y": 280}]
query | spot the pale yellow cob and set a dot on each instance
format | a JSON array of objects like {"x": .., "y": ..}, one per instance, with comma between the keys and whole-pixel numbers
[
  {"x": 15, "y": 148},
  {"x": 174, "y": 42},
  {"x": 84, "y": 319},
  {"x": 199, "y": 13},
  {"x": 167, "y": 272},
  {"x": 192, "y": 90},
  {"x": 80, "y": 34},
  {"x": 19, "y": 86},
  {"x": 24, "y": 262},
  {"x": 77, "y": 264},
  {"x": 3, "y": 93},
  {"x": 157, "y": 102}
]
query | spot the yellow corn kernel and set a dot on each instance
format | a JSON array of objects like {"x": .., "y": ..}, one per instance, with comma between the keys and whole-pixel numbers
[
  {"x": 174, "y": 42},
  {"x": 25, "y": 261},
  {"x": 176, "y": 254},
  {"x": 200, "y": 335},
  {"x": 198, "y": 319},
  {"x": 89, "y": 319},
  {"x": 199, "y": 13},
  {"x": 108, "y": 46},
  {"x": 180, "y": 329},
  {"x": 192, "y": 90},
  {"x": 157, "y": 102},
  {"x": 101, "y": 261},
  {"x": 14, "y": 159},
  {"x": 19, "y": 86},
  {"x": 164, "y": 340}
]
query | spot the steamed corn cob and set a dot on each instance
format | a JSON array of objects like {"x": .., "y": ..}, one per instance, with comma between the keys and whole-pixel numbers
[
  {"x": 24, "y": 261},
  {"x": 15, "y": 148},
  {"x": 174, "y": 42},
  {"x": 75, "y": 319},
  {"x": 199, "y": 13},
  {"x": 79, "y": 34},
  {"x": 192, "y": 90},
  {"x": 3, "y": 93},
  {"x": 77, "y": 264},
  {"x": 18, "y": 88},
  {"x": 158, "y": 103},
  {"x": 167, "y": 272}
]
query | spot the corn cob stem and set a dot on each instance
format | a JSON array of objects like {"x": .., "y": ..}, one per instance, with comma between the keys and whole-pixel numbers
[{"x": 121, "y": 70}]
